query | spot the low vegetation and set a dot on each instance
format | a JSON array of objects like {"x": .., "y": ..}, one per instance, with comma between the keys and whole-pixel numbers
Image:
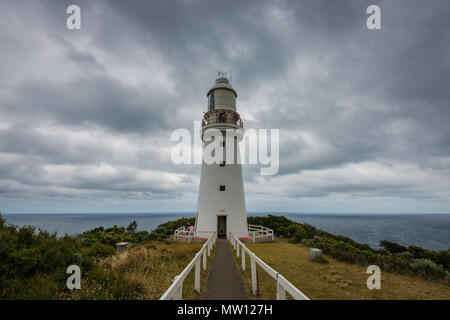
[
  {"x": 412, "y": 260},
  {"x": 163, "y": 231},
  {"x": 33, "y": 262},
  {"x": 333, "y": 279},
  {"x": 141, "y": 272}
]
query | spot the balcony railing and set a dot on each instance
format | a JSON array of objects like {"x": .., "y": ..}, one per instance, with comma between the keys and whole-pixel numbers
[{"x": 222, "y": 117}]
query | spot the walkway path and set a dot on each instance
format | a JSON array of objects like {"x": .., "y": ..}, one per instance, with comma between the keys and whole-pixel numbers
[{"x": 225, "y": 281}]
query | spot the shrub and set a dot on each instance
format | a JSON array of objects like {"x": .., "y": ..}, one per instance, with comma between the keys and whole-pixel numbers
[
  {"x": 307, "y": 242},
  {"x": 427, "y": 268},
  {"x": 299, "y": 235},
  {"x": 394, "y": 257},
  {"x": 277, "y": 223},
  {"x": 168, "y": 228},
  {"x": 443, "y": 257},
  {"x": 406, "y": 255},
  {"x": 392, "y": 247},
  {"x": 100, "y": 250},
  {"x": 393, "y": 263},
  {"x": 2, "y": 222}
]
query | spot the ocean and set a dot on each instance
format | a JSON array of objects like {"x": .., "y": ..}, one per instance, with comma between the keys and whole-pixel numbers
[{"x": 431, "y": 231}]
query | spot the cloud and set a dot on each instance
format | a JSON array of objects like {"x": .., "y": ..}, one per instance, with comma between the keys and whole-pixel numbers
[{"x": 87, "y": 115}]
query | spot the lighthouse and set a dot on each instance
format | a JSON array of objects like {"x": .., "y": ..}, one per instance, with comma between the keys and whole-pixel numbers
[{"x": 221, "y": 200}]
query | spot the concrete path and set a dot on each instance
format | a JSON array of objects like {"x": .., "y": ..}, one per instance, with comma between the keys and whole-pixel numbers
[{"x": 225, "y": 281}]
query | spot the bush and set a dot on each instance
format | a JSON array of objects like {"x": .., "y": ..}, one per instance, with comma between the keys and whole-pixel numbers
[
  {"x": 427, "y": 268},
  {"x": 311, "y": 242},
  {"x": 33, "y": 262},
  {"x": 166, "y": 229},
  {"x": 307, "y": 242},
  {"x": 392, "y": 247},
  {"x": 100, "y": 250},
  {"x": 393, "y": 257},
  {"x": 393, "y": 263},
  {"x": 299, "y": 235},
  {"x": 406, "y": 255},
  {"x": 316, "y": 239}
]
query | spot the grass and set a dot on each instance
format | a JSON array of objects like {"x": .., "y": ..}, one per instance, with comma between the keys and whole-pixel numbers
[
  {"x": 189, "y": 292},
  {"x": 142, "y": 272},
  {"x": 332, "y": 280}
]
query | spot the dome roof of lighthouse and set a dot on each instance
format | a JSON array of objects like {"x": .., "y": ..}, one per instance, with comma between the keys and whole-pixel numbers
[{"x": 222, "y": 83}]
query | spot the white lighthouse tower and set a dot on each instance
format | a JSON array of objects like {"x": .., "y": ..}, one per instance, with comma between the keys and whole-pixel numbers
[{"x": 221, "y": 201}]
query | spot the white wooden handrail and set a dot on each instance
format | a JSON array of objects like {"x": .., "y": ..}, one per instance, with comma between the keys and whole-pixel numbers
[
  {"x": 283, "y": 284},
  {"x": 175, "y": 291},
  {"x": 182, "y": 233},
  {"x": 260, "y": 232}
]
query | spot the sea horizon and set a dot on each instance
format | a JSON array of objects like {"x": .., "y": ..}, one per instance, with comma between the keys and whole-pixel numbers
[
  {"x": 249, "y": 213},
  {"x": 427, "y": 230}
]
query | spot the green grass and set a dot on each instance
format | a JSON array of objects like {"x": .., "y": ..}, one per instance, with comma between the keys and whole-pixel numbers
[
  {"x": 142, "y": 272},
  {"x": 332, "y": 280},
  {"x": 189, "y": 292}
]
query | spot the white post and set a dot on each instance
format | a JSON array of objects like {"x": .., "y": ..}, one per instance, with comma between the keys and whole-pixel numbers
[
  {"x": 272, "y": 236},
  {"x": 179, "y": 293},
  {"x": 197, "y": 275},
  {"x": 281, "y": 293},
  {"x": 254, "y": 239},
  {"x": 204, "y": 259},
  {"x": 237, "y": 249},
  {"x": 254, "y": 280},
  {"x": 243, "y": 257}
]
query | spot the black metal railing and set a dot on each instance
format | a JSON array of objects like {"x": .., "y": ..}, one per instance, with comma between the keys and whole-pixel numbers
[{"x": 222, "y": 117}]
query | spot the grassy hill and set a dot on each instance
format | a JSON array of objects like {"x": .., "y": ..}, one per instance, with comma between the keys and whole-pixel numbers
[
  {"x": 33, "y": 263},
  {"x": 335, "y": 279},
  {"x": 141, "y": 272}
]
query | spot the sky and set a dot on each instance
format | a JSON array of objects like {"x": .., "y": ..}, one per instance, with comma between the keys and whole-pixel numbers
[{"x": 86, "y": 115}]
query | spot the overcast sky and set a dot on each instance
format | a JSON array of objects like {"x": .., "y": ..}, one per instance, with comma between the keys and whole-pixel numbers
[{"x": 86, "y": 115}]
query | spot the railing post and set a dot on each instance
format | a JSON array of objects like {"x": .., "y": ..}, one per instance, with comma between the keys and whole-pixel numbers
[
  {"x": 179, "y": 295},
  {"x": 254, "y": 278},
  {"x": 272, "y": 235},
  {"x": 254, "y": 239},
  {"x": 197, "y": 276},
  {"x": 204, "y": 259},
  {"x": 281, "y": 293},
  {"x": 237, "y": 249},
  {"x": 243, "y": 257}
]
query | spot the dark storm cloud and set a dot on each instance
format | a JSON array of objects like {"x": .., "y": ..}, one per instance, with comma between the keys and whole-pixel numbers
[
  {"x": 98, "y": 100},
  {"x": 90, "y": 112}
]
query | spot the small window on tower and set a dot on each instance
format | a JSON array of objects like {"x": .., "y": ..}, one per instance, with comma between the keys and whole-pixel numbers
[
  {"x": 211, "y": 101},
  {"x": 222, "y": 188}
]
